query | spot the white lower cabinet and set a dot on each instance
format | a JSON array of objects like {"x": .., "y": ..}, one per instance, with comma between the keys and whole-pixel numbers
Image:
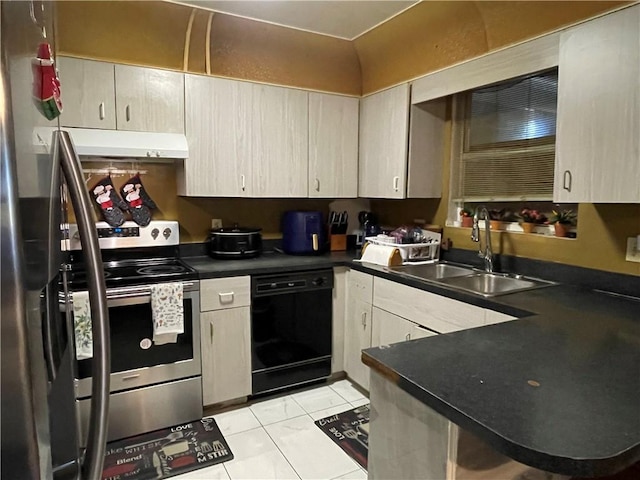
[
  {"x": 225, "y": 338},
  {"x": 389, "y": 328},
  {"x": 357, "y": 328},
  {"x": 226, "y": 354}
]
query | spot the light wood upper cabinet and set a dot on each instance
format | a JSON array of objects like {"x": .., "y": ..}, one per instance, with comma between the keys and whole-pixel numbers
[
  {"x": 149, "y": 100},
  {"x": 333, "y": 146},
  {"x": 217, "y": 124},
  {"x": 384, "y": 127},
  {"x": 597, "y": 141},
  {"x": 280, "y": 141},
  {"x": 88, "y": 93},
  {"x": 226, "y": 354}
]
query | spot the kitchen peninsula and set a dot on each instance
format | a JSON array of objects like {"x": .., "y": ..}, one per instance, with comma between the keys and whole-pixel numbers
[{"x": 557, "y": 391}]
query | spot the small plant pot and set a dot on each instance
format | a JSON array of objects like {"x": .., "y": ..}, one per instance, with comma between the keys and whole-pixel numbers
[
  {"x": 467, "y": 222},
  {"x": 561, "y": 229},
  {"x": 528, "y": 227},
  {"x": 496, "y": 225}
]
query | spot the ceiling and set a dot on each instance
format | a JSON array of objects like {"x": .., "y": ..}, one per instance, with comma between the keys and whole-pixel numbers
[{"x": 336, "y": 18}]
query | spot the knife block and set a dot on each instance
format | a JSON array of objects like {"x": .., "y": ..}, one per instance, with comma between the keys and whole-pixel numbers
[{"x": 338, "y": 243}]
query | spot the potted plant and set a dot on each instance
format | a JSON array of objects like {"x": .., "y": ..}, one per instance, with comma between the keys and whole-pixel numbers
[
  {"x": 529, "y": 218},
  {"x": 466, "y": 217},
  {"x": 498, "y": 217},
  {"x": 562, "y": 220}
]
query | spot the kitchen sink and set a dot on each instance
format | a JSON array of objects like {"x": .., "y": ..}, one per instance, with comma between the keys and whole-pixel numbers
[
  {"x": 432, "y": 271},
  {"x": 469, "y": 279},
  {"x": 493, "y": 284}
]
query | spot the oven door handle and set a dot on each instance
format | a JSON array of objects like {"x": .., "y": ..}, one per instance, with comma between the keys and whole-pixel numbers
[
  {"x": 92, "y": 462},
  {"x": 135, "y": 295}
]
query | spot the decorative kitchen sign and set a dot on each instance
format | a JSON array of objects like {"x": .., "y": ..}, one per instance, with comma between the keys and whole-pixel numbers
[{"x": 167, "y": 452}]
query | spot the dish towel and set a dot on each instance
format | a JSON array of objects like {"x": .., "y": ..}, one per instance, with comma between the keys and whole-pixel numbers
[
  {"x": 168, "y": 312},
  {"x": 82, "y": 325}
]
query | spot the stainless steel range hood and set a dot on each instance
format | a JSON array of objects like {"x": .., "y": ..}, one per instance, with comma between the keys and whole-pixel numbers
[{"x": 119, "y": 143}]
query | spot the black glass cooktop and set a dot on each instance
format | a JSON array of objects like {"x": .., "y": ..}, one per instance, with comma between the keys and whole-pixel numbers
[{"x": 134, "y": 272}]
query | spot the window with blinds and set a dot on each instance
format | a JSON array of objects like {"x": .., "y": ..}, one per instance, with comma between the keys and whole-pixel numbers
[{"x": 508, "y": 144}]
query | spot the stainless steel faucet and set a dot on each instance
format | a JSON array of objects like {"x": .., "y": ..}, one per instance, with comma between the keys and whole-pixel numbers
[{"x": 487, "y": 254}]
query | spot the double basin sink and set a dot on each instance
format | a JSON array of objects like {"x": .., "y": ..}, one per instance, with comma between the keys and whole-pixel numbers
[{"x": 469, "y": 279}]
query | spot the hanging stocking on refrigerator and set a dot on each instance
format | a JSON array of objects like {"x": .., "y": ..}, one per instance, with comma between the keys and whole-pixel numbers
[
  {"x": 111, "y": 205},
  {"x": 138, "y": 200}
]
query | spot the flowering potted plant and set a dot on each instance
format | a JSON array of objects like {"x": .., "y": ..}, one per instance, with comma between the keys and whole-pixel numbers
[
  {"x": 529, "y": 218},
  {"x": 466, "y": 217},
  {"x": 562, "y": 220}
]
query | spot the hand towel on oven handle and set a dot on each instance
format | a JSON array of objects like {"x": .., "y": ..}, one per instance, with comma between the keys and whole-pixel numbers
[
  {"x": 82, "y": 325},
  {"x": 168, "y": 312}
]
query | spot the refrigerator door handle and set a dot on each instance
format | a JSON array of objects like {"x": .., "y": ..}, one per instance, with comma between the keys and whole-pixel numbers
[{"x": 92, "y": 463}]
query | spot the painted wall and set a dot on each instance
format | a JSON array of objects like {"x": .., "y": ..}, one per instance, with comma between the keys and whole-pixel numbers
[
  {"x": 427, "y": 37},
  {"x": 153, "y": 34}
]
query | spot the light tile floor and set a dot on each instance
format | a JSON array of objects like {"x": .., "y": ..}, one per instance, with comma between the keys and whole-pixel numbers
[{"x": 277, "y": 439}]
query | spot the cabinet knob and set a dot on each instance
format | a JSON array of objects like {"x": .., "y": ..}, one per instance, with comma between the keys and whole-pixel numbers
[
  {"x": 317, "y": 184},
  {"x": 396, "y": 183},
  {"x": 226, "y": 297},
  {"x": 127, "y": 113},
  {"x": 101, "y": 111},
  {"x": 567, "y": 180},
  {"x": 242, "y": 183},
  {"x": 408, "y": 337},
  {"x": 211, "y": 332},
  {"x": 364, "y": 319}
]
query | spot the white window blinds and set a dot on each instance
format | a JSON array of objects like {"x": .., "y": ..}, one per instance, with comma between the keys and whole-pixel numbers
[{"x": 508, "y": 149}]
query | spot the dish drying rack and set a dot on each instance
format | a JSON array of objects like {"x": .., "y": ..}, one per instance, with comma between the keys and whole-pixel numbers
[{"x": 413, "y": 253}]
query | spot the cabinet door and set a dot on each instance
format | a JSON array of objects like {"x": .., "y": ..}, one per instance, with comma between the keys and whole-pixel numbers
[
  {"x": 88, "y": 93},
  {"x": 149, "y": 100},
  {"x": 389, "y": 328},
  {"x": 217, "y": 114},
  {"x": 333, "y": 146},
  {"x": 357, "y": 337},
  {"x": 418, "y": 331},
  {"x": 384, "y": 127},
  {"x": 597, "y": 141},
  {"x": 280, "y": 131},
  {"x": 226, "y": 354}
]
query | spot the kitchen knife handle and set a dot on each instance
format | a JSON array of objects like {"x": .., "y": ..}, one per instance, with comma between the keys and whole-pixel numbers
[
  {"x": 101, "y": 111},
  {"x": 127, "y": 113},
  {"x": 566, "y": 185},
  {"x": 317, "y": 184},
  {"x": 314, "y": 239}
]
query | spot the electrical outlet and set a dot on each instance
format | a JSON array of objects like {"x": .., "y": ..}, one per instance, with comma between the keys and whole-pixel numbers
[
  {"x": 216, "y": 223},
  {"x": 633, "y": 251}
]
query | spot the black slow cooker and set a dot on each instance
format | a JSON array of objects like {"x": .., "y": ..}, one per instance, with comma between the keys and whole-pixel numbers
[{"x": 234, "y": 242}]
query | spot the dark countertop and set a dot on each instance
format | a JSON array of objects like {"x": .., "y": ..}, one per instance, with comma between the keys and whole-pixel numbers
[
  {"x": 269, "y": 262},
  {"x": 581, "y": 346},
  {"x": 581, "y": 351}
]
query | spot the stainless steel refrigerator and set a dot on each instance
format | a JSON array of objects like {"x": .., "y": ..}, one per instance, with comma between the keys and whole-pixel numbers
[{"x": 39, "y": 425}]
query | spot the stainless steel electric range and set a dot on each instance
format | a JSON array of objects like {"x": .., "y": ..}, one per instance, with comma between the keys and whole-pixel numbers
[{"x": 152, "y": 386}]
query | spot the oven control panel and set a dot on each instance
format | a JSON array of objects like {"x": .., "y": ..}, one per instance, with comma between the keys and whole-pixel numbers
[
  {"x": 118, "y": 232},
  {"x": 159, "y": 233}
]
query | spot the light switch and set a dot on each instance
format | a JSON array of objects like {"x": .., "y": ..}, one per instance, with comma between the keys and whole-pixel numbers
[{"x": 633, "y": 250}]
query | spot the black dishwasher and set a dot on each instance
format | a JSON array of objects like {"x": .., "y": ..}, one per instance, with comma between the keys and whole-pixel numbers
[{"x": 290, "y": 329}]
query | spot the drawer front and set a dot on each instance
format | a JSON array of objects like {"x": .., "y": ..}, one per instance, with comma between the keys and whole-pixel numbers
[
  {"x": 435, "y": 312},
  {"x": 221, "y": 293},
  {"x": 360, "y": 286}
]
